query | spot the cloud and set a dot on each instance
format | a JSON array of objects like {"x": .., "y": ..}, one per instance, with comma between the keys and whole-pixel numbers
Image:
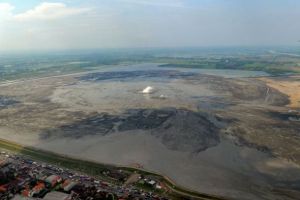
[
  {"x": 6, "y": 7},
  {"x": 166, "y": 3},
  {"x": 49, "y": 11},
  {"x": 6, "y": 10}
]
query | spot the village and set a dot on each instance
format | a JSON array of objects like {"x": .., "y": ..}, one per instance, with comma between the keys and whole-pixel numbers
[{"x": 22, "y": 178}]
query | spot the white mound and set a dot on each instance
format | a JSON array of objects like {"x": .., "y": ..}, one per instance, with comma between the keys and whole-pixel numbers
[
  {"x": 162, "y": 96},
  {"x": 148, "y": 90}
]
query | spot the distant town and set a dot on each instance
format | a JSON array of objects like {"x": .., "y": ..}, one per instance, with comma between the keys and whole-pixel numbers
[{"x": 23, "y": 178}]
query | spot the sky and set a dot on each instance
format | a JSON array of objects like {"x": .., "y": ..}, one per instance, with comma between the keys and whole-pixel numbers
[{"x": 88, "y": 24}]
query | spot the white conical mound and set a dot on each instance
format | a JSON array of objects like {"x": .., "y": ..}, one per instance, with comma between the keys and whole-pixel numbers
[{"x": 148, "y": 90}]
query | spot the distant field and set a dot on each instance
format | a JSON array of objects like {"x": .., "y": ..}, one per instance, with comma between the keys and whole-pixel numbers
[
  {"x": 277, "y": 65},
  {"x": 38, "y": 65}
]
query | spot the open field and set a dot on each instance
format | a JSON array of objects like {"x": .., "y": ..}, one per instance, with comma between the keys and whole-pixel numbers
[{"x": 289, "y": 86}]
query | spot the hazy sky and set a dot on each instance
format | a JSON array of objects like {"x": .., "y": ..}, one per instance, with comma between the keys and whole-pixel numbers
[{"x": 65, "y": 24}]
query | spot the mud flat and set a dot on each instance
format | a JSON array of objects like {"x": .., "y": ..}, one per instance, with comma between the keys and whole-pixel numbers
[
  {"x": 7, "y": 101},
  {"x": 220, "y": 170},
  {"x": 227, "y": 136}
]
